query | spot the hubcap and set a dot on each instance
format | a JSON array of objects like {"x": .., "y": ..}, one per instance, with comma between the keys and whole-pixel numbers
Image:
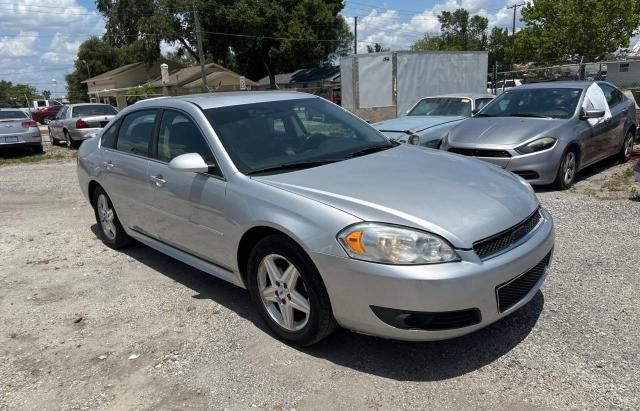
[
  {"x": 283, "y": 292},
  {"x": 106, "y": 217},
  {"x": 569, "y": 167},
  {"x": 67, "y": 139}
]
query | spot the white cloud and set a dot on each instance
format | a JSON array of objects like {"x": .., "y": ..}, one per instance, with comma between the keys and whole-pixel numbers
[
  {"x": 21, "y": 45},
  {"x": 54, "y": 15},
  {"x": 61, "y": 50}
]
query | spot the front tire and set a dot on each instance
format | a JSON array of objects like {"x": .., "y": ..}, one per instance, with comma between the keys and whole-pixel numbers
[
  {"x": 627, "y": 147},
  {"x": 110, "y": 230},
  {"x": 567, "y": 170},
  {"x": 54, "y": 141},
  {"x": 288, "y": 291}
]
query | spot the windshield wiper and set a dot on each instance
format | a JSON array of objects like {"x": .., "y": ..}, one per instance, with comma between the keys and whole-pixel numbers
[
  {"x": 298, "y": 165},
  {"x": 528, "y": 115},
  {"x": 370, "y": 150},
  {"x": 485, "y": 115}
]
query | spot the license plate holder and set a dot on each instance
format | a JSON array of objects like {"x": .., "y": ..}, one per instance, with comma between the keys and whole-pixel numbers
[{"x": 9, "y": 139}]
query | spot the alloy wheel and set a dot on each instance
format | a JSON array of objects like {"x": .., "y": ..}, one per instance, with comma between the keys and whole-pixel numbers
[
  {"x": 283, "y": 292},
  {"x": 106, "y": 214},
  {"x": 67, "y": 139},
  {"x": 569, "y": 167}
]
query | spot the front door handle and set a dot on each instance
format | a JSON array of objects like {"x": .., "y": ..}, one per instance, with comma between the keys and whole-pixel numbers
[
  {"x": 158, "y": 180},
  {"x": 108, "y": 165}
]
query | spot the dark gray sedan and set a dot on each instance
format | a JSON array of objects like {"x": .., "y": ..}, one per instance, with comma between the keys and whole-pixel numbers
[{"x": 548, "y": 132}]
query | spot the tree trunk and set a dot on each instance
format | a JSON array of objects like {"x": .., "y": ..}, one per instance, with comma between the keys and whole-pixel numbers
[{"x": 272, "y": 77}]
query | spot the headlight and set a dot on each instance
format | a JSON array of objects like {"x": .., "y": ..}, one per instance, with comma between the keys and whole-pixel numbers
[
  {"x": 413, "y": 139},
  {"x": 537, "y": 145},
  {"x": 389, "y": 244}
]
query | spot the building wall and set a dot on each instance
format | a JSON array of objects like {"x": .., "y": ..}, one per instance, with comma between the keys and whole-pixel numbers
[{"x": 624, "y": 79}]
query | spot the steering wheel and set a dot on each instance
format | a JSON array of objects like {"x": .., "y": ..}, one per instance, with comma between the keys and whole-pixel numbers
[
  {"x": 561, "y": 110},
  {"x": 313, "y": 141}
]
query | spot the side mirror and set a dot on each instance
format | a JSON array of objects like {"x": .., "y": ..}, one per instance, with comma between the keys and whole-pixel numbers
[
  {"x": 190, "y": 162},
  {"x": 592, "y": 113}
]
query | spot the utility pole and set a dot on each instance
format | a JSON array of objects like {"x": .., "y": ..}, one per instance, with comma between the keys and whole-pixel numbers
[
  {"x": 513, "y": 32},
  {"x": 196, "y": 19},
  {"x": 355, "y": 35}
]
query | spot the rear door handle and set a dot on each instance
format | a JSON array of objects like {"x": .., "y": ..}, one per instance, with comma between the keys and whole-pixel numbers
[
  {"x": 158, "y": 180},
  {"x": 108, "y": 165}
]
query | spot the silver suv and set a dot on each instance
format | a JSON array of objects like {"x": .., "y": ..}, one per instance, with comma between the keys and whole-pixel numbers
[{"x": 320, "y": 216}]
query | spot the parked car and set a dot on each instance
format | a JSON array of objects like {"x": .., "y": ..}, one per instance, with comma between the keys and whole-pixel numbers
[
  {"x": 325, "y": 221},
  {"x": 548, "y": 132},
  {"x": 45, "y": 115},
  {"x": 503, "y": 85},
  {"x": 431, "y": 118},
  {"x": 76, "y": 122},
  {"x": 43, "y": 103},
  {"x": 18, "y": 130}
]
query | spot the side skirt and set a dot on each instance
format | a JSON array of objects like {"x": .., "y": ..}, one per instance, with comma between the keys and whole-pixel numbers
[{"x": 188, "y": 259}]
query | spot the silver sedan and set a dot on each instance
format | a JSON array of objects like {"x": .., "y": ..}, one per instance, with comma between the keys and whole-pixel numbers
[
  {"x": 321, "y": 217},
  {"x": 17, "y": 129},
  {"x": 548, "y": 132},
  {"x": 76, "y": 122}
]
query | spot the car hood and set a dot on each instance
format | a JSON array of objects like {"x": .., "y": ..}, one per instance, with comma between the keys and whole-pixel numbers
[
  {"x": 414, "y": 123},
  {"x": 504, "y": 131},
  {"x": 461, "y": 199}
]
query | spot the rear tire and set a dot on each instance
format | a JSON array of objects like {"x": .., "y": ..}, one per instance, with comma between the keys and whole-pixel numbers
[
  {"x": 71, "y": 144},
  {"x": 567, "y": 170},
  {"x": 282, "y": 299},
  {"x": 110, "y": 230},
  {"x": 627, "y": 147}
]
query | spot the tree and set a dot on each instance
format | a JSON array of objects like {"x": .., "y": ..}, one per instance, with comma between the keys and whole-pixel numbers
[
  {"x": 499, "y": 46},
  {"x": 376, "y": 48},
  {"x": 571, "y": 30},
  {"x": 458, "y": 31}
]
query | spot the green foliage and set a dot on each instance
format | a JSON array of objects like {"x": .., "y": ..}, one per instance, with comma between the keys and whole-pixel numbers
[
  {"x": 458, "y": 31},
  {"x": 376, "y": 48},
  {"x": 17, "y": 95},
  {"x": 570, "y": 30},
  {"x": 140, "y": 93}
]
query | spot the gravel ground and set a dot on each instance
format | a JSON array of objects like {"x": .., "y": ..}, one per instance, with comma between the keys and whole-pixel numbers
[{"x": 85, "y": 327}]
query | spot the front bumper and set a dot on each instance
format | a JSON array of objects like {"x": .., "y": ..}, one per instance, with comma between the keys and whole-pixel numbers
[{"x": 355, "y": 286}]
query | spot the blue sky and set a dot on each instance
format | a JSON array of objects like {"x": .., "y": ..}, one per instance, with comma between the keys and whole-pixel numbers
[{"x": 39, "y": 39}]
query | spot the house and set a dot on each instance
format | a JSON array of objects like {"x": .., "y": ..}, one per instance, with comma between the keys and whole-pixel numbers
[
  {"x": 624, "y": 73},
  {"x": 187, "y": 80},
  {"x": 313, "y": 78},
  {"x": 113, "y": 86}
]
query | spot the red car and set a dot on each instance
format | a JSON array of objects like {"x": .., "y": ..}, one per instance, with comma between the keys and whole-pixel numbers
[{"x": 45, "y": 114}]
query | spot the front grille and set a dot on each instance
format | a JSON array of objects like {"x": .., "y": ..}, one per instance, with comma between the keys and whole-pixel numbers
[
  {"x": 429, "y": 321},
  {"x": 493, "y": 245},
  {"x": 480, "y": 152},
  {"x": 510, "y": 293}
]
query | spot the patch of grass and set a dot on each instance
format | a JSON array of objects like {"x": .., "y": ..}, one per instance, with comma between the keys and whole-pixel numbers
[{"x": 28, "y": 158}]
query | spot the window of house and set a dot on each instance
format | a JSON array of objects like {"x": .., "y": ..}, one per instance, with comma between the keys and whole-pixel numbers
[{"x": 624, "y": 67}]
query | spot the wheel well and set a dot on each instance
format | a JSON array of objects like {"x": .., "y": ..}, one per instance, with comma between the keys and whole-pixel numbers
[
  {"x": 575, "y": 147},
  {"x": 248, "y": 241},
  {"x": 92, "y": 189}
]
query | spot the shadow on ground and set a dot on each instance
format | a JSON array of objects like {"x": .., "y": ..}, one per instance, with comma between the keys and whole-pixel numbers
[{"x": 404, "y": 361}]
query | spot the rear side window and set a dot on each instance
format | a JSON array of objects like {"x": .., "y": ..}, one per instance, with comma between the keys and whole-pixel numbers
[
  {"x": 613, "y": 95},
  {"x": 136, "y": 130},
  {"x": 109, "y": 136}
]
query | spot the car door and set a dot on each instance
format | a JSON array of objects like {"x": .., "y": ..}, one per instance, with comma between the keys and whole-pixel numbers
[
  {"x": 188, "y": 207},
  {"x": 55, "y": 126},
  {"x": 615, "y": 130},
  {"x": 125, "y": 159}
]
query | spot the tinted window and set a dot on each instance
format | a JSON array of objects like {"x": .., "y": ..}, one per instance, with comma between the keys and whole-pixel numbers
[
  {"x": 612, "y": 94},
  {"x": 481, "y": 102},
  {"x": 109, "y": 136},
  {"x": 534, "y": 102},
  {"x": 63, "y": 112},
  {"x": 11, "y": 114},
  {"x": 442, "y": 106},
  {"x": 136, "y": 131},
  {"x": 276, "y": 133},
  {"x": 42, "y": 103},
  {"x": 91, "y": 110},
  {"x": 179, "y": 135}
]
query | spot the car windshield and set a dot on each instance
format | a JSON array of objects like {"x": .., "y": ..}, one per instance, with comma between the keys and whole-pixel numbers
[
  {"x": 442, "y": 106},
  {"x": 289, "y": 134},
  {"x": 534, "y": 102},
  {"x": 91, "y": 110},
  {"x": 13, "y": 115}
]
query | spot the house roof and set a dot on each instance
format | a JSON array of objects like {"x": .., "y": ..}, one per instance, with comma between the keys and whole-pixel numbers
[
  {"x": 117, "y": 72},
  {"x": 326, "y": 73},
  {"x": 214, "y": 77},
  {"x": 187, "y": 75}
]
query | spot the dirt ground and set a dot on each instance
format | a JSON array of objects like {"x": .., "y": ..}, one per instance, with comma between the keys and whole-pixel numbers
[{"x": 86, "y": 327}]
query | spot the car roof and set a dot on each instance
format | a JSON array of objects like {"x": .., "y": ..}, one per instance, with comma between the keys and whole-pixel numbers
[
  {"x": 10, "y": 109},
  {"x": 233, "y": 98},
  {"x": 559, "y": 84},
  {"x": 87, "y": 104},
  {"x": 463, "y": 95}
]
